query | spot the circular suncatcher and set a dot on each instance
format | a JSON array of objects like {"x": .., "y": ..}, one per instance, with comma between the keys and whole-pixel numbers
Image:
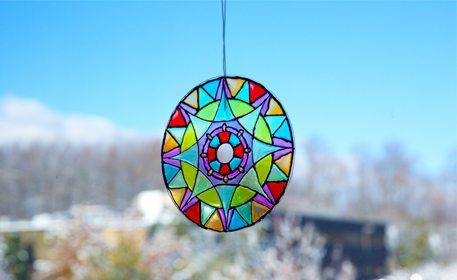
[{"x": 227, "y": 153}]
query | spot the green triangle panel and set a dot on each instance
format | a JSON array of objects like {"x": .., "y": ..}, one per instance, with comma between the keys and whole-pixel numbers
[
  {"x": 245, "y": 212},
  {"x": 203, "y": 98},
  {"x": 224, "y": 113},
  {"x": 242, "y": 194},
  {"x": 274, "y": 122},
  {"x": 211, "y": 88},
  {"x": 211, "y": 197},
  {"x": 200, "y": 126},
  {"x": 189, "y": 173},
  {"x": 201, "y": 184},
  {"x": 263, "y": 168},
  {"x": 237, "y": 221},
  {"x": 225, "y": 193},
  {"x": 262, "y": 132},
  {"x": 249, "y": 121},
  {"x": 206, "y": 212},
  {"x": 178, "y": 182},
  {"x": 170, "y": 171},
  {"x": 260, "y": 149},
  {"x": 250, "y": 181},
  {"x": 189, "y": 138},
  {"x": 283, "y": 131},
  {"x": 177, "y": 133},
  {"x": 209, "y": 111},
  {"x": 190, "y": 155},
  {"x": 276, "y": 174},
  {"x": 240, "y": 108},
  {"x": 243, "y": 93}
]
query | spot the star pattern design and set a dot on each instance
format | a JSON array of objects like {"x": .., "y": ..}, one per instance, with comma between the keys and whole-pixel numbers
[{"x": 227, "y": 153}]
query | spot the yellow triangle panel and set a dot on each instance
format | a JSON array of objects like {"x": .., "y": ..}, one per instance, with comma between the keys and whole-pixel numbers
[
  {"x": 192, "y": 99},
  {"x": 177, "y": 195},
  {"x": 284, "y": 163},
  {"x": 274, "y": 108},
  {"x": 215, "y": 222},
  {"x": 234, "y": 85},
  {"x": 258, "y": 210},
  {"x": 169, "y": 143}
]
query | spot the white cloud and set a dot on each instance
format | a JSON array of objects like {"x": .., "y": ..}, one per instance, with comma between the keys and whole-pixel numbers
[{"x": 26, "y": 121}]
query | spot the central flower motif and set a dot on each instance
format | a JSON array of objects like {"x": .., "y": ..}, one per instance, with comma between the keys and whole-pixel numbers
[{"x": 225, "y": 153}]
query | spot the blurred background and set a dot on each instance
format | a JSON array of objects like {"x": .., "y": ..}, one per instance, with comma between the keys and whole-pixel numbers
[{"x": 86, "y": 90}]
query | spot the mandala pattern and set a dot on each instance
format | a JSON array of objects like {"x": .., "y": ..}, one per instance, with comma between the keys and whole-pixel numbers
[{"x": 227, "y": 153}]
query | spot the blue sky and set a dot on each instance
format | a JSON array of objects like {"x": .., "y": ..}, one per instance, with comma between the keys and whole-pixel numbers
[{"x": 349, "y": 72}]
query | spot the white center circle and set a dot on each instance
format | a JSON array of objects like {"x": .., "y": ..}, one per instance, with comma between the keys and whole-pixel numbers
[{"x": 224, "y": 153}]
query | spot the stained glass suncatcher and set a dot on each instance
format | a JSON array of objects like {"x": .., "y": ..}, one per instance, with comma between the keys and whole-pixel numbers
[{"x": 227, "y": 153}]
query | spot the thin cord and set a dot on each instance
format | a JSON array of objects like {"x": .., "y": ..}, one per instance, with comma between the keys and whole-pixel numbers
[{"x": 224, "y": 7}]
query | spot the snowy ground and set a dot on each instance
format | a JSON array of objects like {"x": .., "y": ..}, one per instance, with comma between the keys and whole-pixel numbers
[{"x": 430, "y": 271}]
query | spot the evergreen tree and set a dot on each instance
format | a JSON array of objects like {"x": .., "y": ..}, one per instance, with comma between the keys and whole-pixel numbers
[{"x": 19, "y": 258}]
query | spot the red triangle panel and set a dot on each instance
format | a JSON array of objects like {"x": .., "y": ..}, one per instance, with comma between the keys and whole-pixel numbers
[
  {"x": 255, "y": 91},
  {"x": 177, "y": 120},
  {"x": 193, "y": 213},
  {"x": 276, "y": 189}
]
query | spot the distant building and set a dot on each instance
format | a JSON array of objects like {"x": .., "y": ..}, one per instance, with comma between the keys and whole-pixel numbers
[{"x": 361, "y": 243}]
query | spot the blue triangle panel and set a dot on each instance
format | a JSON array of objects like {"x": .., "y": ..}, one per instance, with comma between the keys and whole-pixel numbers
[
  {"x": 237, "y": 222},
  {"x": 283, "y": 131},
  {"x": 274, "y": 122},
  {"x": 225, "y": 193},
  {"x": 260, "y": 149},
  {"x": 203, "y": 98},
  {"x": 211, "y": 88},
  {"x": 190, "y": 155},
  {"x": 224, "y": 112},
  {"x": 170, "y": 171},
  {"x": 248, "y": 121},
  {"x": 243, "y": 94}
]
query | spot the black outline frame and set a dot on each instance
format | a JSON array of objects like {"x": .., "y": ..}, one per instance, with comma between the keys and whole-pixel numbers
[{"x": 291, "y": 164}]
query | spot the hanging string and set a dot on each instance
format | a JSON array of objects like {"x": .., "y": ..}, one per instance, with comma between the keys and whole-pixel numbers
[{"x": 224, "y": 6}]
